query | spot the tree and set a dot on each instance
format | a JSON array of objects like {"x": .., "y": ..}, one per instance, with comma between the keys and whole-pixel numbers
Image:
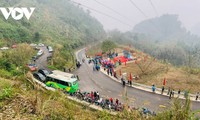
[
  {"x": 37, "y": 36},
  {"x": 108, "y": 45},
  {"x": 20, "y": 56},
  {"x": 62, "y": 57}
]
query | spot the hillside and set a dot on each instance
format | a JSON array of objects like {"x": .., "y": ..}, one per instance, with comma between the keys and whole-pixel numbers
[
  {"x": 20, "y": 101},
  {"x": 165, "y": 38},
  {"x": 52, "y": 21},
  {"x": 152, "y": 71}
]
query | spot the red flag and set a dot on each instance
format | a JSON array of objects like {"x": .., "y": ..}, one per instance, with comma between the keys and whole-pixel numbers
[
  {"x": 164, "y": 81},
  {"x": 120, "y": 72},
  {"x": 130, "y": 77}
]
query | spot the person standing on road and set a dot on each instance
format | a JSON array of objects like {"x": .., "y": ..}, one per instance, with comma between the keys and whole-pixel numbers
[
  {"x": 77, "y": 77},
  {"x": 179, "y": 92},
  {"x": 163, "y": 88},
  {"x": 98, "y": 95},
  {"x": 168, "y": 92},
  {"x": 197, "y": 96},
  {"x": 130, "y": 79},
  {"x": 111, "y": 73},
  {"x": 108, "y": 71},
  {"x": 153, "y": 88},
  {"x": 111, "y": 101},
  {"x": 124, "y": 83},
  {"x": 117, "y": 101},
  {"x": 173, "y": 93},
  {"x": 95, "y": 95}
]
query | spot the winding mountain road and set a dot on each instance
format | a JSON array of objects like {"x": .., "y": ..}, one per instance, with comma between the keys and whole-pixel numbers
[{"x": 97, "y": 81}]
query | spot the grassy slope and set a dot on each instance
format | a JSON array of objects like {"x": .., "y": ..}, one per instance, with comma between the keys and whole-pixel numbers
[
  {"x": 23, "y": 101},
  {"x": 177, "y": 78},
  {"x": 56, "y": 21},
  {"x": 26, "y": 103}
]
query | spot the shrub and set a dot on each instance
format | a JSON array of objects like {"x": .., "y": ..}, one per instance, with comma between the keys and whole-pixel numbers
[
  {"x": 6, "y": 90},
  {"x": 179, "y": 111},
  {"x": 5, "y": 74}
]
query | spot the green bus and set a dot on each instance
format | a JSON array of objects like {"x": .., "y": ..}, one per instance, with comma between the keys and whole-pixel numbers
[{"x": 62, "y": 80}]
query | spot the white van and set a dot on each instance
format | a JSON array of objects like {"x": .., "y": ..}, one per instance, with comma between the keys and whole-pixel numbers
[{"x": 40, "y": 52}]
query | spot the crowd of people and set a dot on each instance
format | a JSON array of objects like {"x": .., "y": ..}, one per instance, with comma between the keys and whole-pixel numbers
[
  {"x": 108, "y": 103},
  {"x": 109, "y": 68},
  {"x": 171, "y": 92}
]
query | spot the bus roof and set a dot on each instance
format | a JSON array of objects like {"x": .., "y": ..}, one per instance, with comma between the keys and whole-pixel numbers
[{"x": 63, "y": 76}]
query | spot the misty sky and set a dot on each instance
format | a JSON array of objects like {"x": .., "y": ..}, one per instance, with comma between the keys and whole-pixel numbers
[{"x": 188, "y": 11}]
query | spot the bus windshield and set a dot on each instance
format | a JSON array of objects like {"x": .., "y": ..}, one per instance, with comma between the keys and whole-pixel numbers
[{"x": 75, "y": 82}]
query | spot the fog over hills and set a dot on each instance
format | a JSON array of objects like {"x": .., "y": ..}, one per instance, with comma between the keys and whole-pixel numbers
[{"x": 188, "y": 11}]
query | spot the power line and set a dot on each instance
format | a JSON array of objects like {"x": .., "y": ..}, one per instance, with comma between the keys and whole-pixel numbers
[
  {"x": 154, "y": 8},
  {"x": 138, "y": 8},
  {"x": 111, "y": 9},
  {"x": 143, "y": 14},
  {"x": 116, "y": 19}
]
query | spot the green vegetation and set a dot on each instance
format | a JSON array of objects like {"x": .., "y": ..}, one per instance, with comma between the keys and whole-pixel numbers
[
  {"x": 13, "y": 62},
  {"x": 108, "y": 46},
  {"x": 59, "y": 23},
  {"x": 66, "y": 27},
  {"x": 179, "y": 111},
  {"x": 62, "y": 57},
  {"x": 30, "y": 101},
  {"x": 6, "y": 90},
  {"x": 20, "y": 55},
  {"x": 52, "y": 22}
]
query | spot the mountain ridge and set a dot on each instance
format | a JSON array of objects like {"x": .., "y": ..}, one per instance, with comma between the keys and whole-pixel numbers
[{"x": 59, "y": 21}]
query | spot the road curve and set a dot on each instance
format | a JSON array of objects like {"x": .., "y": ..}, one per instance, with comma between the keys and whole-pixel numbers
[
  {"x": 96, "y": 81},
  {"x": 41, "y": 62}
]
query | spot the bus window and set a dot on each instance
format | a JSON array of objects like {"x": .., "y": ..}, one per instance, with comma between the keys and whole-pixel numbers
[
  {"x": 69, "y": 84},
  {"x": 49, "y": 79},
  {"x": 63, "y": 83},
  {"x": 57, "y": 81}
]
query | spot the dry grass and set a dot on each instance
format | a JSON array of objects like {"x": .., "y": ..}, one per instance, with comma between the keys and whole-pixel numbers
[
  {"x": 43, "y": 105},
  {"x": 154, "y": 72}
]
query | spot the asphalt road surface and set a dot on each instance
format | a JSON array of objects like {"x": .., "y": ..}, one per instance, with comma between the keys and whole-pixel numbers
[
  {"x": 96, "y": 81},
  {"x": 41, "y": 62}
]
